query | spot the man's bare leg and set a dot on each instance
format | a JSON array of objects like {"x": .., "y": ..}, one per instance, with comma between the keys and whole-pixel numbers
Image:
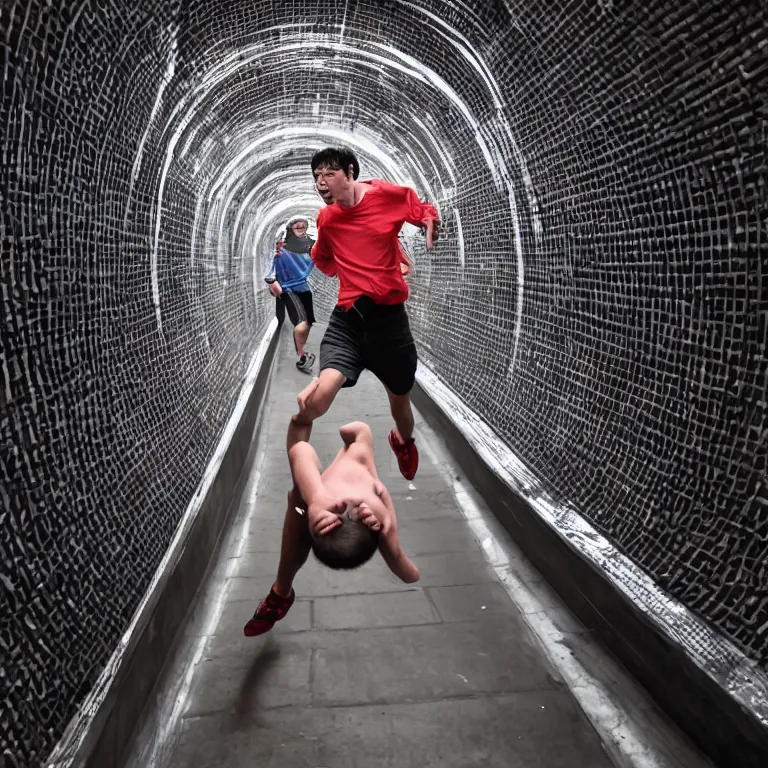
[
  {"x": 295, "y": 547},
  {"x": 400, "y": 405},
  {"x": 314, "y": 401},
  {"x": 300, "y": 336}
]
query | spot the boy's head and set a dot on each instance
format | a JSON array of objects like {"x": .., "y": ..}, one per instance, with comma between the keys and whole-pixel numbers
[{"x": 349, "y": 545}]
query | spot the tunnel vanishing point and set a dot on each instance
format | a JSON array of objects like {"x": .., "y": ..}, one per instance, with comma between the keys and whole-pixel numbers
[{"x": 596, "y": 306}]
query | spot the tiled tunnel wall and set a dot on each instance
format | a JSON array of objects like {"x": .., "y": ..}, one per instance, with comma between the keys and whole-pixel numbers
[{"x": 598, "y": 295}]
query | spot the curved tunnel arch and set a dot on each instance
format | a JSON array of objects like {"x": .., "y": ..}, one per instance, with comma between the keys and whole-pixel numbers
[{"x": 598, "y": 294}]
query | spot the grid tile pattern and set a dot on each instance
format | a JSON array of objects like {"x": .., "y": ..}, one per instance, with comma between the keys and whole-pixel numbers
[{"x": 598, "y": 294}]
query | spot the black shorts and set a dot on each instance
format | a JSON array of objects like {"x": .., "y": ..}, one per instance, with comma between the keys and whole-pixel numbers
[
  {"x": 379, "y": 339},
  {"x": 299, "y": 307}
]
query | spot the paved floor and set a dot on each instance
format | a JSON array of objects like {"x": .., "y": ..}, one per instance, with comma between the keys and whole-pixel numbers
[{"x": 365, "y": 671}]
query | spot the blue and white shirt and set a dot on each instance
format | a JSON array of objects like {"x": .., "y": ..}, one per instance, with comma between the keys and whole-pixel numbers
[{"x": 291, "y": 270}]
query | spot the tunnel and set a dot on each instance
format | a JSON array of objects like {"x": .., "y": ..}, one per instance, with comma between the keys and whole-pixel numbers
[{"x": 591, "y": 326}]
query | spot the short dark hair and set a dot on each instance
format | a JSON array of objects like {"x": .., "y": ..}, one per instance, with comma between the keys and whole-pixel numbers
[
  {"x": 336, "y": 158},
  {"x": 348, "y": 546}
]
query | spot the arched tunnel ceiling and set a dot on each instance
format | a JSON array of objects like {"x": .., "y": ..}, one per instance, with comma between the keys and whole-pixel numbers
[
  {"x": 597, "y": 296},
  {"x": 274, "y": 98}
]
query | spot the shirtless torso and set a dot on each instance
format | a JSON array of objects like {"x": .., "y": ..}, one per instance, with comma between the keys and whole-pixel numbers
[
  {"x": 351, "y": 478},
  {"x": 352, "y": 475},
  {"x": 322, "y": 499}
]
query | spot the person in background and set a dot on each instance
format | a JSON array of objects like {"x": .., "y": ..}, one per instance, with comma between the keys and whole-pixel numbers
[{"x": 287, "y": 280}]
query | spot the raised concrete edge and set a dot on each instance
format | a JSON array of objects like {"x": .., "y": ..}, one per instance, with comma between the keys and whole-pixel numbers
[
  {"x": 99, "y": 732},
  {"x": 702, "y": 681}
]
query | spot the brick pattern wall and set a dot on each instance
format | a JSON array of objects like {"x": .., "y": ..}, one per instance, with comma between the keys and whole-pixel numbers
[{"x": 598, "y": 294}]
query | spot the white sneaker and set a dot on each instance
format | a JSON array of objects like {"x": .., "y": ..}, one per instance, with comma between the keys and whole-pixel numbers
[{"x": 306, "y": 364}]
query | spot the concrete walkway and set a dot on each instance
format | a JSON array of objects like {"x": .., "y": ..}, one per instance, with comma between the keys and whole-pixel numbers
[{"x": 364, "y": 672}]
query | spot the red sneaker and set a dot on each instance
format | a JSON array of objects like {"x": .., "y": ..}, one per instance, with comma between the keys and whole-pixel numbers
[
  {"x": 271, "y": 609},
  {"x": 407, "y": 455}
]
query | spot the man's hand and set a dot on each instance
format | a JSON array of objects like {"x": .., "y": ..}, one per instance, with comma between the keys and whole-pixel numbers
[
  {"x": 433, "y": 231},
  {"x": 305, "y": 396},
  {"x": 275, "y": 289},
  {"x": 300, "y": 425}
]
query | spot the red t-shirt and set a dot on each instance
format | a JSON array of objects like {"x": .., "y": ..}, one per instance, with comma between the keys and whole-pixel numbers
[{"x": 360, "y": 245}]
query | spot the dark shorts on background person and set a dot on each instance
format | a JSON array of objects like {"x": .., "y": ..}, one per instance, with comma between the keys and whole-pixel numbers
[
  {"x": 373, "y": 336},
  {"x": 299, "y": 307},
  {"x": 279, "y": 309}
]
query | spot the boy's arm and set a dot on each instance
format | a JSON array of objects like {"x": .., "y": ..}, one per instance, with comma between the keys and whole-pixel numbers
[
  {"x": 305, "y": 469},
  {"x": 399, "y": 563},
  {"x": 389, "y": 542},
  {"x": 358, "y": 432},
  {"x": 322, "y": 510}
]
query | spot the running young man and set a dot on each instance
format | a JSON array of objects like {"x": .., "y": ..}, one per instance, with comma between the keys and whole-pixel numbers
[
  {"x": 287, "y": 280},
  {"x": 357, "y": 241}
]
